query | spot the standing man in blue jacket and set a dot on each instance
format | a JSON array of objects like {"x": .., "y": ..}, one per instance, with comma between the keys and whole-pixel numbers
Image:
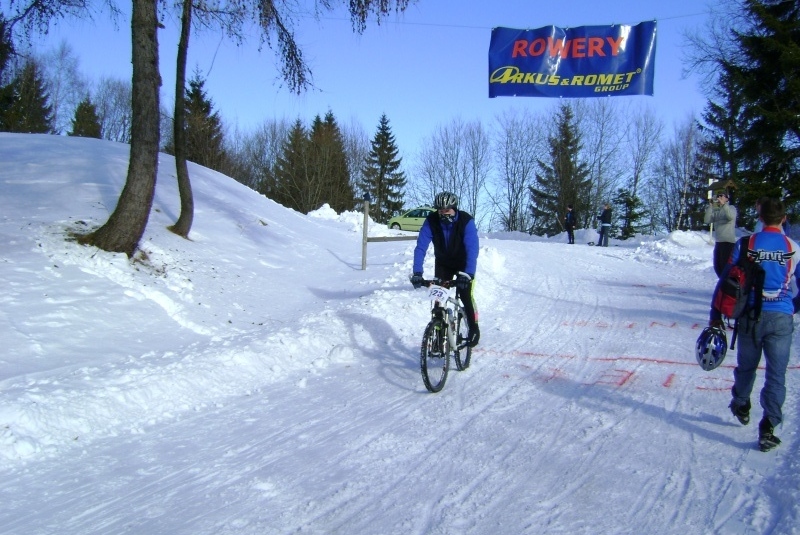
[
  {"x": 455, "y": 248},
  {"x": 570, "y": 220},
  {"x": 771, "y": 333}
]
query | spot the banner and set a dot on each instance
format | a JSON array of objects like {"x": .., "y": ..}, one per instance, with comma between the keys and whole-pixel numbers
[{"x": 587, "y": 61}]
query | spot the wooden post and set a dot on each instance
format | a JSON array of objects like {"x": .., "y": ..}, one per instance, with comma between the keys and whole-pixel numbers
[
  {"x": 365, "y": 238},
  {"x": 711, "y": 201},
  {"x": 366, "y": 230}
]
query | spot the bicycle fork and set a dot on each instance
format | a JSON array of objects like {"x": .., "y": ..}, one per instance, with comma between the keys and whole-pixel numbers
[{"x": 446, "y": 315}]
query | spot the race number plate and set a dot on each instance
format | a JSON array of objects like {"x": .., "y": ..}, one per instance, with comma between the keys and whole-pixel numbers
[{"x": 437, "y": 293}]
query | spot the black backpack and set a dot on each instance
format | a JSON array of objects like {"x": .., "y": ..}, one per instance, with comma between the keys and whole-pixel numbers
[{"x": 733, "y": 291}]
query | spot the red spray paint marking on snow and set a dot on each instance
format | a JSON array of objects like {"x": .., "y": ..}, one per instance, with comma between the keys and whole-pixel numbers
[
  {"x": 615, "y": 378},
  {"x": 620, "y": 377}
]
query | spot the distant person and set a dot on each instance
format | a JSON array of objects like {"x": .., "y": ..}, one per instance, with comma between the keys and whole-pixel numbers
[
  {"x": 771, "y": 333},
  {"x": 722, "y": 216},
  {"x": 569, "y": 224},
  {"x": 605, "y": 225},
  {"x": 455, "y": 248}
]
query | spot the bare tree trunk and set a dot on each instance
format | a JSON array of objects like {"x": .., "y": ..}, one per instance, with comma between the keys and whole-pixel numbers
[
  {"x": 675, "y": 173},
  {"x": 643, "y": 137},
  {"x": 67, "y": 87},
  {"x": 356, "y": 149},
  {"x": 113, "y": 100},
  {"x": 455, "y": 158},
  {"x": 478, "y": 162},
  {"x": 516, "y": 161},
  {"x": 125, "y": 227},
  {"x": 600, "y": 125},
  {"x": 184, "y": 223}
]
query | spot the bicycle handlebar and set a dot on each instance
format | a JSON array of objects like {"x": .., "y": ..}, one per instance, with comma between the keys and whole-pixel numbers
[{"x": 437, "y": 282}]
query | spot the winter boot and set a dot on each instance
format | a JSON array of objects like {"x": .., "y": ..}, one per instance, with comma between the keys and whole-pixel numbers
[
  {"x": 742, "y": 412},
  {"x": 766, "y": 440}
]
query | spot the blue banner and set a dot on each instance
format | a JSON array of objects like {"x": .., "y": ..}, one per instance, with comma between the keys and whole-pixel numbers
[{"x": 587, "y": 61}]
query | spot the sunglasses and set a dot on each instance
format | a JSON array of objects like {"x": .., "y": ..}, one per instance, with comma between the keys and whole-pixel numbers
[{"x": 721, "y": 195}]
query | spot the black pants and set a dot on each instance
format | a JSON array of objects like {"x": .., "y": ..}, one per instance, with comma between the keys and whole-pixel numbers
[
  {"x": 571, "y": 234},
  {"x": 722, "y": 252},
  {"x": 603, "y": 239},
  {"x": 447, "y": 274}
]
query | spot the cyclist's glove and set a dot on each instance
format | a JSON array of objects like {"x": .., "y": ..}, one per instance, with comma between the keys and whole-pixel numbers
[
  {"x": 416, "y": 279},
  {"x": 463, "y": 280}
]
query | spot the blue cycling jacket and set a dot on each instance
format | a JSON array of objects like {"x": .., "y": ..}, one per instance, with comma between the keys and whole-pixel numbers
[
  {"x": 455, "y": 245},
  {"x": 778, "y": 255}
]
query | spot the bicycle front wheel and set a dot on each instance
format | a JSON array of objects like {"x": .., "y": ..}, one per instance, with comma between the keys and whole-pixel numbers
[
  {"x": 462, "y": 352},
  {"x": 434, "y": 358}
]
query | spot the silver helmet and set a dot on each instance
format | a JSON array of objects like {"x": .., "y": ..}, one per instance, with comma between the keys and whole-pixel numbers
[
  {"x": 711, "y": 346},
  {"x": 445, "y": 200}
]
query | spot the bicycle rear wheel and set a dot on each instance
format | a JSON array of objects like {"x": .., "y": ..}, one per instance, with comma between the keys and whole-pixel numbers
[
  {"x": 434, "y": 357},
  {"x": 462, "y": 352}
]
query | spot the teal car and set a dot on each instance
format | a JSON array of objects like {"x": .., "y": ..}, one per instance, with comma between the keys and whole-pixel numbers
[{"x": 411, "y": 220}]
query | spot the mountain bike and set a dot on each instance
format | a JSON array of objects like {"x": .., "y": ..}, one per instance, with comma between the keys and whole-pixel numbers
[{"x": 445, "y": 335}]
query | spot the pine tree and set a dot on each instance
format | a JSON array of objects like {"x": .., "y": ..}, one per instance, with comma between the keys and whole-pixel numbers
[
  {"x": 329, "y": 164},
  {"x": 6, "y": 52},
  {"x": 86, "y": 122},
  {"x": 6, "y": 48},
  {"x": 766, "y": 71},
  {"x": 203, "y": 127},
  {"x": 564, "y": 180},
  {"x": 28, "y": 110},
  {"x": 725, "y": 154},
  {"x": 723, "y": 126},
  {"x": 293, "y": 187},
  {"x": 708, "y": 169},
  {"x": 381, "y": 175},
  {"x": 204, "y": 136},
  {"x": 631, "y": 211}
]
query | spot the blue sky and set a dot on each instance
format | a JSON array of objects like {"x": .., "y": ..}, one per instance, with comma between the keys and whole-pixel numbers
[{"x": 423, "y": 68}]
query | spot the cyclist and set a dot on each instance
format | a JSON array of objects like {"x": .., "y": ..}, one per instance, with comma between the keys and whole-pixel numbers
[{"x": 455, "y": 248}]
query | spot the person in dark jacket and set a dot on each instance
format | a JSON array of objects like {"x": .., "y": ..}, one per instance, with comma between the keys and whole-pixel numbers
[
  {"x": 569, "y": 224},
  {"x": 605, "y": 225},
  {"x": 455, "y": 247}
]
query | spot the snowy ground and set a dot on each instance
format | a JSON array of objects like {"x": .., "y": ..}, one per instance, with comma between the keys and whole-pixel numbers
[{"x": 255, "y": 380}]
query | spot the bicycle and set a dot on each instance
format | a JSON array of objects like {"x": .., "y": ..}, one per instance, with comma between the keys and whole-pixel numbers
[{"x": 447, "y": 333}]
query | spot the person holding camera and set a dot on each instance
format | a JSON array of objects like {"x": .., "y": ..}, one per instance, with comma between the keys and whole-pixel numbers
[{"x": 721, "y": 214}]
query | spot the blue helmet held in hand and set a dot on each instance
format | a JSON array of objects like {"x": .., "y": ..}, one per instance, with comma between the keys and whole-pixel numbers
[{"x": 712, "y": 344}]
